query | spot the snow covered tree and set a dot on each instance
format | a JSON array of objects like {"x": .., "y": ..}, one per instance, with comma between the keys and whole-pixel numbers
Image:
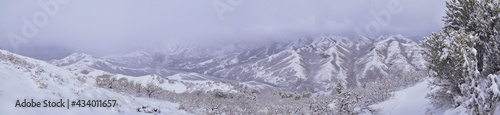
[
  {"x": 492, "y": 94},
  {"x": 480, "y": 17},
  {"x": 340, "y": 87},
  {"x": 151, "y": 88},
  {"x": 351, "y": 103},
  {"x": 458, "y": 15},
  {"x": 483, "y": 96},
  {"x": 478, "y": 93},
  {"x": 435, "y": 45},
  {"x": 487, "y": 19},
  {"x": 452, "y": 63}
]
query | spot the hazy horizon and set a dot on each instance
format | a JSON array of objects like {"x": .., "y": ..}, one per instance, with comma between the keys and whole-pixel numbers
[{"x": 113, "y": 26}]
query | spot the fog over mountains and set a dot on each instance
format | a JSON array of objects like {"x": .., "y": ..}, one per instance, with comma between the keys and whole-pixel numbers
[
  {"x": 116, "y": 26},
  {"x": 311, "y": 64}
]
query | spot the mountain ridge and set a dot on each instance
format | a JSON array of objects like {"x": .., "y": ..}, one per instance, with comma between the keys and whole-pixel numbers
[{"x": 295, "y": 65}]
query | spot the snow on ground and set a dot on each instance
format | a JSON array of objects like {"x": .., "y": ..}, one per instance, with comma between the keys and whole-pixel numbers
[
  {"x": 410, "y": 101},
  {"x": 48, "y": 82}
]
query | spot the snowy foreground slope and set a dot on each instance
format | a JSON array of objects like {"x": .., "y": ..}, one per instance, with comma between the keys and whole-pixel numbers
[
  {"x": 412, "y": 101},
  {"x": 25, "y": 78}
]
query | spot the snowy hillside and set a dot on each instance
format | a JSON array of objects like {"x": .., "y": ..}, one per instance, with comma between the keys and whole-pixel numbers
[
  {"x": 25, "y": 78},
  {"x": 410, "y": 101},
  {"x": 413, "y": 101}
]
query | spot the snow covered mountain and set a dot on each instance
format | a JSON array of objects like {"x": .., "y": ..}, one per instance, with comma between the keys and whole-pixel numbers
[
  {"x": 312, "y": 64},
  {"x": 25, "y": 78},
  {"x": 302, "y": 65}
]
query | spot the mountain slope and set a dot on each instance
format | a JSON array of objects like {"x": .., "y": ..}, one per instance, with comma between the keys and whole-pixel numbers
[
  {"x": 25, "y": 78},
  {"x": 312, "y": 64},
  {"x": 413, "y": 101}
]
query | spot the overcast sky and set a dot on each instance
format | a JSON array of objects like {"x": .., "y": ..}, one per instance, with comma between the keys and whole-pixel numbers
[{"x": 118, "y": 26}]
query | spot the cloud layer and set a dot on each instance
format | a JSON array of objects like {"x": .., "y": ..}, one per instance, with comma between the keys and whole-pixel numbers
[{"x": 118, "y": 26}]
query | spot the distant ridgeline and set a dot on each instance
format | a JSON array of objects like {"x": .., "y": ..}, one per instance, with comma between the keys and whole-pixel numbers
[{"x": 315, "y": 64}]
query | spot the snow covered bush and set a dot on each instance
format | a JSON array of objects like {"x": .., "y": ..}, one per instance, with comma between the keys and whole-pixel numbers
[
  {"x": 82, "y": 79},
  {"x": 148, "y": 109},
  {"x": 38, "y": 81},
  {"x": 150, "y": 89},
  {"x": 8, "y": 57},
  {"x": 351, "y": 103},
  {"x": 292, "y": 95}
]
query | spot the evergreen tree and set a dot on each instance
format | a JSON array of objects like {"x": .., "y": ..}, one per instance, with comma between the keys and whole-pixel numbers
[
  {"x": 478, "y": 17},
  {"x": 492, "y": 93},
  {"x": 340, "y": 87},
  {"x": 472, "y": 58},
  {"x": 471, "y": 89},
  {"x": 451, "y": 56},
  {"x": 488, "y": 21},
  {"x": 459, "y": 15}
]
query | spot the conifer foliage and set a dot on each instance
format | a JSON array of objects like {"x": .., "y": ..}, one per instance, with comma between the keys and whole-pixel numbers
[
  {"x": 452, "y": 62},
  {"x": 464, "y": 56}
]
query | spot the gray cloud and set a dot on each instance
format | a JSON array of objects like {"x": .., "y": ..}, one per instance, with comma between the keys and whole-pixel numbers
[{"x": 118, "y": 26}]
